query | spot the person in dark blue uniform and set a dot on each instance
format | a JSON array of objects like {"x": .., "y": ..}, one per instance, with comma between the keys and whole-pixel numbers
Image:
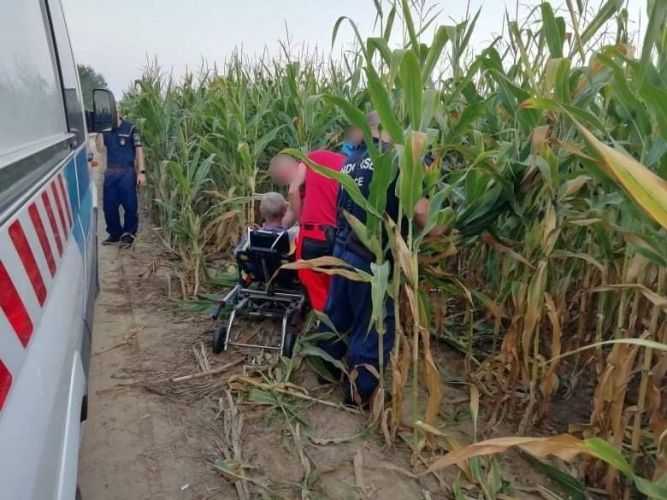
[
  {"x": 349, "y": 303},
  {"x": 124, "y": 173}
]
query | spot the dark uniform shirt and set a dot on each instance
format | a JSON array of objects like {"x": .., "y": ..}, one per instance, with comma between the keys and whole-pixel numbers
[
  {"x": 359, "y": 166},
  {"x": 121, "y": 143}
]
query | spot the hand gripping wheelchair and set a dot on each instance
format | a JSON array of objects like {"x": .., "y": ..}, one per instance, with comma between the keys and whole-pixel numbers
[{"x": 264, "y": 290}]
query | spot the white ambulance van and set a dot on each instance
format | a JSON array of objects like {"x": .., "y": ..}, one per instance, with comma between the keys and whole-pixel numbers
[{"x": 48, "y": 252}]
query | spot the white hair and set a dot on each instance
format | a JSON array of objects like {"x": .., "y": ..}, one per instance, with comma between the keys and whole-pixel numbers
[{"x": 272, "y": 206}]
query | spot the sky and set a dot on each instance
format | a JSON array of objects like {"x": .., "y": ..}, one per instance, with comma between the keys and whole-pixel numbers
[{"x": 117, "y": 38}]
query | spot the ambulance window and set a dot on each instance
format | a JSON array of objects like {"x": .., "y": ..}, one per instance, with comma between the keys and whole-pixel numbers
[
  {"x": 30, "y": 95},
  {"x": 68, "y": 72}
]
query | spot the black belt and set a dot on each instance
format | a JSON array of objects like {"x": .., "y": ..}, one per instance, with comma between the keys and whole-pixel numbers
[
  {"x": 329, "y": 233},
  {"x": 316, "y": 227}
]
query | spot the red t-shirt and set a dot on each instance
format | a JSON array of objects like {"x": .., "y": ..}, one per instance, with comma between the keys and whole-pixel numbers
[{"x": 319, "y": 193}]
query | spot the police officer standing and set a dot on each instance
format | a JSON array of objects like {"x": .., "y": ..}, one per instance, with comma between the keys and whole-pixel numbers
[{"x": 125, "y": 172}]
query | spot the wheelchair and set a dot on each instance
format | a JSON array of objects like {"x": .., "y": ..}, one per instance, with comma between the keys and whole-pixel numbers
[{"x": 264, "y": 290}]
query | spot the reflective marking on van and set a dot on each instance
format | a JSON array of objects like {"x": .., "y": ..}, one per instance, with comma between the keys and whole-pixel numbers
[
  {"x": 20, "y": 241},
  {"x": 5, "y": 383},
  {"x": 43, "y": 239},
  {"x": 31, "y": 248},
  {"x": 14, "y": 308},
  {"x": 63, "y": 193},
  {"x": 59, "y": 207},
  {"x": 52, "y": 221}
]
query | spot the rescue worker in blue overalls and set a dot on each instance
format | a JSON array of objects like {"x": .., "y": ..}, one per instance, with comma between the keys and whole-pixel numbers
[
  {"x": 125, "y": 172},
  {"x": 349, "y": 303}
]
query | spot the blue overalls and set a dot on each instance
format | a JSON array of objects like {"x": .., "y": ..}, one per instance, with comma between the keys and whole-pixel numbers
[
  {"x": 349, "y": 304},
  {"x": 120, "y": 180}
]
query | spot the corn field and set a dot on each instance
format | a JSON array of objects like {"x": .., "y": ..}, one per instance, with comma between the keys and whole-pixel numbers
[{"x": 549, "y": 273}]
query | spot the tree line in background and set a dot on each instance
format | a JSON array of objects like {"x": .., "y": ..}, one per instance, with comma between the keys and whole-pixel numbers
[{"x": 90, "y": 80}]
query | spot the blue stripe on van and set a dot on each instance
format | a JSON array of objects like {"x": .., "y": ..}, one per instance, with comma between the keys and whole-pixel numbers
[
  {"x": 77, "y": 176},
  {"x": 82, "y": 173},
  {"x": 72, "y": 187}
]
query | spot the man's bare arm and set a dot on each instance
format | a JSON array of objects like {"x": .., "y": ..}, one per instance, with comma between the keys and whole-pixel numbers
[
  {"x": 289, "y": 219},
  {"x": 139, "y": 161},
  {"x": 294, "y": 198},
  {"x": 421, "y": 217}
]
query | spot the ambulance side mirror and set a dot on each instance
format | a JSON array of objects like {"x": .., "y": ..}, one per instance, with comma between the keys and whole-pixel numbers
[{"x": 104, "y": 116}]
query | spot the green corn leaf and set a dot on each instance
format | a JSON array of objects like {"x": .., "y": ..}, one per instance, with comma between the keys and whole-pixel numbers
[
  {"x": 571, "y": 486},
  {"x": 382, "y": 104},
  {"x": 380, "y": 45},
  {"x": 468, "y": 117},
  {"x": 431, "y": 106},
  {"x": 654, "y": 31},
  {"x": 378, "y": 9},
  {"x": 440, "y": 39},
  {"x": 323, "y": 318},
  {"x": 379, "y": 285},
  {"x": 265, "y": 140},
  {"x": 390, "y": 23},
  {"x": 562, "y": 88},
  {"x": 656, "y": 99},
  {"x": 655, "y": 490},
  {"x": 605, "y": 451},
  {"x": 644, "y": 187},
  {"x": 469, "y": 28},
  {"x": 627, "y": 97},
  {"x": 603, "y": 15},
  {"x": 411, "y": 177},
  {"x": 412, "y": 87},
  {"x": 550, "y": 105},
  {"x": 395, "y": 68},
  {"x": 368, "y": 239},
  {"x": 384, "y": 173},
  {"x": 337, "y": 26},
  {"x": 309, "y": 350},
  {"x": 409, "y": 24},
  {"x": 552, "y": 30}
]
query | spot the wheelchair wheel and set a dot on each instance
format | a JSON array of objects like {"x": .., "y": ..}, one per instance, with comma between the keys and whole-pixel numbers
[
  {"x": 293, "y": 325},
  {"x": 220, "y": 337},
  {"x": 288, "y": 346}
]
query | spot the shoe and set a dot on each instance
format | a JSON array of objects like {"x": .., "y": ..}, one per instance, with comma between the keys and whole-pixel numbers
[
  {"x": 127, "y": 240},
  {"x": 111, "y": 240}
]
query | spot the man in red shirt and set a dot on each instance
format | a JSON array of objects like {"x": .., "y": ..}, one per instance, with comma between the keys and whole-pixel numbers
[{"x": 312, "y": 203}]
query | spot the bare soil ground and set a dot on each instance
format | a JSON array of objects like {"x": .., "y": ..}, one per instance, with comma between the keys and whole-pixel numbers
[{"x": 148, "y": 437}]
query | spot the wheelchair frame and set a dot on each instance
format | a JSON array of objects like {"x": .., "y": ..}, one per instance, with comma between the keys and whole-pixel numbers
[{"x": 269, "y": 302}]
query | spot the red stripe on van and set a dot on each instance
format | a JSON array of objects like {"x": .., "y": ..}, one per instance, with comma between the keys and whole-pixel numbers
[
  {"x": 59, "y": 206},
  {"x": 5, "y": 383},
  {"x": 52, "y": 222},
  {"x": 43, "y": 239},
  {"x": 63, "y": 193},
  {"x": 13, "y": 307},
  {"x": 28, "y": 259}
]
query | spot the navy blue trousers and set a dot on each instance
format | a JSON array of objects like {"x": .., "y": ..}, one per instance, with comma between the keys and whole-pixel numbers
[
  {"x": 120, "y": 189},
  {"x": 349, "y": 308}
]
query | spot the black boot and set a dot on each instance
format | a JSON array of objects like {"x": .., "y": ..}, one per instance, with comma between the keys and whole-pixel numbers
[{"x": 111, "y": 240}]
